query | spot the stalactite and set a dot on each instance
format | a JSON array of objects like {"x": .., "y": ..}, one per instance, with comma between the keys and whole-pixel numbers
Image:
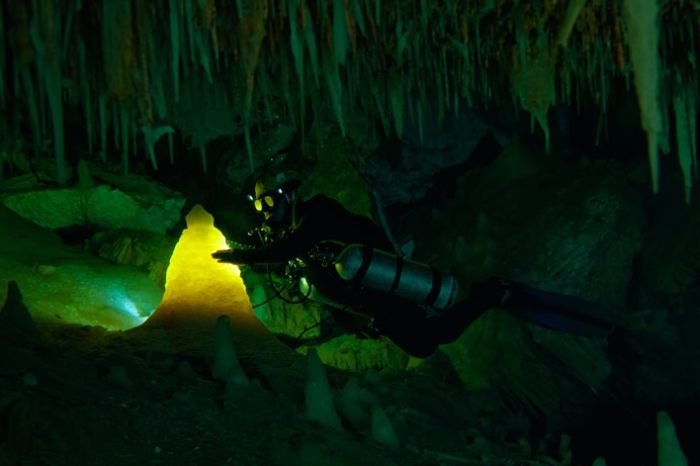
[
  {"x": 67, "y": 29},
  {"x": 171, "y": 148},
  {"x": 45, "y": 33},
  {"x": 134, "y": 139},
  {"x": 203, "y": 54},
  {"x": 3, "y": 62},
  {"x": 116, "y": 126},
  {"x": 446, "y": 79},
  {"x": 316, "y": 106},
  {"x": 297, "y": 47},
  {"x": 572, "y": 13},
  {"x": 443, "y": 50},
  {"x": 118, "y": 54},
  {"x": 146, "y": 62},
  {"x": 379, "y": 106},
  {"x": 208, "y": 12},
  {"x": 33, "y": 108},
  {"x": 692, "y": 125},
  {"x": 684, "y": 108},
  {"x": 86, "y": 95},
  {"x": 157, "y": 87},
  {"x": 641, "y": 17},
  {"x": 284, "y": 88},
  {"x": 189, "y": 24},
  {"x": 358, "y": 14},
  {"x": 533, "y": 83},
  {"x": 251, "y": 31},
  {"x": 396, "y": 99},
  {"x": 310, "y": 39},
  {"x": 351, "y": 25},
  {"x": 104, "y": 123},
  {"x": 203, "y": 157},
  {"x": 125, "y": 133},
  {"x": 151, "y": 136},
  {"x": 335, "y": 88},
  {"x": 419, "y": 119},
  {"x": 340, "y": 32},
  {"x": 175, "y": 47}
]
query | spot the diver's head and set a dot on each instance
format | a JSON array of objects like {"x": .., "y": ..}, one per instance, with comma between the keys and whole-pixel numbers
[{"x": 275, "y": 197}]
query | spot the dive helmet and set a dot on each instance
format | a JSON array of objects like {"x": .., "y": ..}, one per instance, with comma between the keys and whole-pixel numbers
[{"x": 274, "y": 190}]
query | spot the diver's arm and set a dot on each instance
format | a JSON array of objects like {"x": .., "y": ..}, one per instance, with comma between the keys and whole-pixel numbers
[{"x": 279, "y": 252}]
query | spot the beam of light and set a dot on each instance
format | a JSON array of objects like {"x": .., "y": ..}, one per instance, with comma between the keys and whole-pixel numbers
[{"x": 129, "y": 307}]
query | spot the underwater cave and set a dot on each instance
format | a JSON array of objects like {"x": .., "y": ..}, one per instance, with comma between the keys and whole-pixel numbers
[{"x": 505, "y": 223}]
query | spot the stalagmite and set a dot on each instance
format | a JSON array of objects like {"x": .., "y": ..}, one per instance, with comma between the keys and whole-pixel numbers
[
  {"x": 350, "y": 404},
  {"x": 669, "y": 449},
  {"x": 319, "y": 405},
  {"x": 382, "y": 429},
  {"x": 225, "y": 365}
]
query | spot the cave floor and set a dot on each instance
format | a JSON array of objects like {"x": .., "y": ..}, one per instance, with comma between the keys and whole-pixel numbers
[{"x": 86, "y": 396}]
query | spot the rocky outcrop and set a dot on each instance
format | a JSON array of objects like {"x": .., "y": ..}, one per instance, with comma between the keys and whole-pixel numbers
[
  {"x": 65, "y": 284},
  {"x": 573, "y": 229},
  {"x": 111, "y": 202}
]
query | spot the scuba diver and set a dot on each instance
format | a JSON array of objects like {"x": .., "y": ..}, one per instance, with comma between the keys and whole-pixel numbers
[{"x": 346, "y": 261}]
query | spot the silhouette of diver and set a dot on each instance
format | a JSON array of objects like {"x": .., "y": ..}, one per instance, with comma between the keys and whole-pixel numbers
[{"x": 345, "y": 261}]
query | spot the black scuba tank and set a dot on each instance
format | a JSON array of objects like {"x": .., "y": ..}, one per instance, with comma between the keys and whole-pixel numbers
[{"x": 392, "y": 274}]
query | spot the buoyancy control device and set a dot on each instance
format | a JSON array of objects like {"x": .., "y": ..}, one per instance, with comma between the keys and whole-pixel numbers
[{"x": 392, "y": 274}]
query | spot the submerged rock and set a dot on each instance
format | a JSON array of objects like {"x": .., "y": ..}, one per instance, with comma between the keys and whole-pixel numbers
[{"x": 137, "y": 205}]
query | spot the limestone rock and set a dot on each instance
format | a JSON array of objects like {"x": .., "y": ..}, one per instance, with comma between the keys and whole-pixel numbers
[
  {"x": 137, "y": 206},
  {"x": 68, "y": 285},
  {"x": 569, "y": 229}
]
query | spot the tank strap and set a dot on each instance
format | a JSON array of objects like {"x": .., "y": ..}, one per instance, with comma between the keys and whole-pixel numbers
[
  {"x": 367, "y": 253},
  {"x": 435, "y": 290},
  {"x": 397, "y": 276}
]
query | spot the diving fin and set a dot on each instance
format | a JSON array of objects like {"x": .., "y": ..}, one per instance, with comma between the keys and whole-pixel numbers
[{"x": 560, "y": 311}]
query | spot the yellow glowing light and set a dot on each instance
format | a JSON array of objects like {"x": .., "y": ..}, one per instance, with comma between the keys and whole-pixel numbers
[{"x": 197, "y": 287}]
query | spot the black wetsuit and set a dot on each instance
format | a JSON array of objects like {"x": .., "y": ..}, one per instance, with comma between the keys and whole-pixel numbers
[{"x": 415, "y": 328}]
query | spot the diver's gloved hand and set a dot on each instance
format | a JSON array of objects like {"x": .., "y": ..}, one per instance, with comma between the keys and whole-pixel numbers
[
  {"x": 249, "y": 256},
  {"x": 234, "y": 256}
]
